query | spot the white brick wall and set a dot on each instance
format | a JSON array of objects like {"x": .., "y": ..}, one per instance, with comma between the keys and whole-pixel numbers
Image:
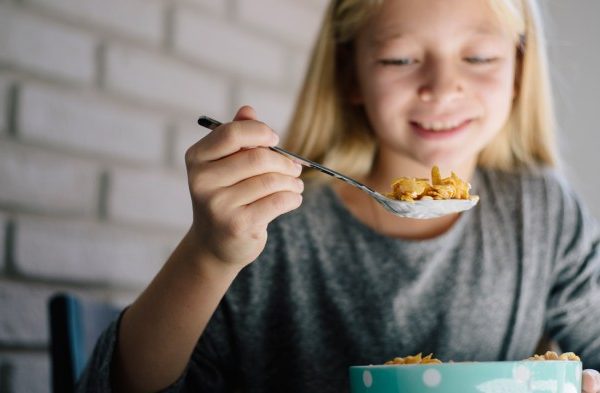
[
  {"x": 217, "y": 7},
  {"x": 28, "y": 372},
  {"x": 88, "y": 252},
  {"x": 236, "y": 50},
  {"x": 26, "y": 305},
  {"x": 159, "y": 80},
  {"x": 35, "y": 180},
  {"x": 293, "y": 21},
  {"x": 66, "y": 119},
  {"x": 149, "y": 198},
  {"x": 45, "y": 47},
  {"x": 274, "y": 107},
  {"x": 136, "y": 18}
]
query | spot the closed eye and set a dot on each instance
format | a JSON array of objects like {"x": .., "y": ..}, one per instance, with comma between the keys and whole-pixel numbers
[
  {"x": 480, "y": 60},
  {"x": 397, "y": 62}
]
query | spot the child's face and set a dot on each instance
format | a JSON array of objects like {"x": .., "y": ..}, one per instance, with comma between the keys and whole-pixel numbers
[{"x": 436, "y": 78}]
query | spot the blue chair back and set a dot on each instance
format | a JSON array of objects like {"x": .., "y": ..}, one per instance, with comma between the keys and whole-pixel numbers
[{"x": 75, "y": 325}]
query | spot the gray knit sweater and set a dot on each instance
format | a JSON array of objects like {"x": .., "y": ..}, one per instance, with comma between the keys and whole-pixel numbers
[{"x": 329, "y": 292}]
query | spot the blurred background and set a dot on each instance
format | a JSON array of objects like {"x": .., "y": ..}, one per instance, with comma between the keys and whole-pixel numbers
[{"x": 99, "y": 101}]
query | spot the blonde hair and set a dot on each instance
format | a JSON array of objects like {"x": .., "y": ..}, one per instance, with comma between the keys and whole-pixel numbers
[{"x": 326, "y": 127}]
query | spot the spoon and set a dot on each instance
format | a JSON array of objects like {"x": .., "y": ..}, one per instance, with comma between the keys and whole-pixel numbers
[{"x": 423, "y": 209}]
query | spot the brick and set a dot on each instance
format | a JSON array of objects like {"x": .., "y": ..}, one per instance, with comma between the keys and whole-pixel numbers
[
  {"x": 25, "y": 306},
  {"x": 293, "y": 21},
  {"x": 35, "y": 180},
  {"x": 27, "y": 372},
  {"x": 217, "y": 7},
  {"x": 45, "y": 47},
  {"x": 154, "y": 79},
  {"x": 116, "y": 15},
  {"x": 273, "y": 107},
  {"x": 149, "y": 198},
  {"x": 225, "y": 46},
  {"x": 65, "y": 119},
  {"x": 86, "y": 252}
]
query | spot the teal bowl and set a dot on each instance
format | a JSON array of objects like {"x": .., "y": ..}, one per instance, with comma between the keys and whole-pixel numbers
[{"x": 555, "y": 376}]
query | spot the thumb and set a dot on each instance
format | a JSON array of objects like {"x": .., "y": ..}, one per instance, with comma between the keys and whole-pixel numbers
[
  {"x": 591, "y": 381},
  {"x": 246, "y": 112}
]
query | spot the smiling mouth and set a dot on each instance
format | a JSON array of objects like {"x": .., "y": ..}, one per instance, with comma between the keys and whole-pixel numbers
[{"x": 441, "y": 126}]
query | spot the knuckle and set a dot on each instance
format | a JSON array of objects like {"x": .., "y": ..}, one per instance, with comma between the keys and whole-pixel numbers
[
  {"x": 231, "y": 134},
  {"x": 264, "y": 129},
  {"x": 258, "y": 158},
  {"x": 270, "y": 182},
  {"x": 281, "y": 201}
]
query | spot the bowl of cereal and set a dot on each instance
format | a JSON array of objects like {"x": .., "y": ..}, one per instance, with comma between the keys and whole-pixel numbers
[{"x": 416, "y": 374}]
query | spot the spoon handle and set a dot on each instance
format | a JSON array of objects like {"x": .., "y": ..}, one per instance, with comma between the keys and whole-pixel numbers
[{"x": 211, "y": 124}]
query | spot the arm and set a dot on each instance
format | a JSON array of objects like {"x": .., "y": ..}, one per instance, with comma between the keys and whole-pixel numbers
[
  {"x": 237, "y": 188},
  {"x": 574, "y": 304}
]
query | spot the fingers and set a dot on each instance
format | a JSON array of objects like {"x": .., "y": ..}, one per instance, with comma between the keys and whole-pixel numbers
[
  {"x": 231, "y": 137},
  {"x": 246, "y": 112},
  {"x": 240, "y": 219},
  {"x": 591, "y": 381},
  {"x": 258, "y": 187},
  {"x": 236, "y": 182},
  {"x": 244, "y": 165},
  {"x": 265, "y": 210}
]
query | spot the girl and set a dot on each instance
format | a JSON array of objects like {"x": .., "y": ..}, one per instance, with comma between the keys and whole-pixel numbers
[{"x": 394, "y": 87}]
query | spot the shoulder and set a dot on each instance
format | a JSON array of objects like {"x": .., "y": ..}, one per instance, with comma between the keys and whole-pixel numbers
[
  {"x": 543, "y": 184},
  {"x": 539, "y": 194}
]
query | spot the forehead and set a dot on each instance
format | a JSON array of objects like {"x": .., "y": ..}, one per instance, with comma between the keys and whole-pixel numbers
[{"x": 435, "y": 19}]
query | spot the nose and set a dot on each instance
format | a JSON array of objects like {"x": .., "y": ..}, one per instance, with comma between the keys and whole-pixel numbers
[{"x": 441, "y": 83}]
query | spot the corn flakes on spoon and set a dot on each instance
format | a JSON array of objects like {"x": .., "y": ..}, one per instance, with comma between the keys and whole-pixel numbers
[{"x": 420, "y": 208}]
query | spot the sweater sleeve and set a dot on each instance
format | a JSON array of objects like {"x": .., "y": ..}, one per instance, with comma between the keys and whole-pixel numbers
[
  {"x": 96, "y": 375},
  {"x": 573, "y": 317}
]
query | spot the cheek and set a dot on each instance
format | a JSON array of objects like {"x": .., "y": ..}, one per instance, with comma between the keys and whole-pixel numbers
[
  {"x": 385, "y": 94},
  {"x": 496, "y": 91}
]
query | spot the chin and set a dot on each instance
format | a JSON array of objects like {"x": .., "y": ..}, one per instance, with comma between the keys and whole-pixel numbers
[
  {"x": 453, "y": 157},
  {"x": 444, "y": 161}
]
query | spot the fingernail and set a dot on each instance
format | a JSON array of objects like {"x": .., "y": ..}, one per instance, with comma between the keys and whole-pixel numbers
[
  {"x": 300, "y": 184},
  {"x": 299, "y": 167}
]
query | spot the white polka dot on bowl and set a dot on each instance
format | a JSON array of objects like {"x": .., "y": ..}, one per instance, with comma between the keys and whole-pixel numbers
[
  {"x": 367, "y": 378},
  {"x": 432, "y": 377}
]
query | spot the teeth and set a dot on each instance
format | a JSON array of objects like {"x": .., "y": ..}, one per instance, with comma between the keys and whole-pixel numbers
[{"x": 440, "y": 125}]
